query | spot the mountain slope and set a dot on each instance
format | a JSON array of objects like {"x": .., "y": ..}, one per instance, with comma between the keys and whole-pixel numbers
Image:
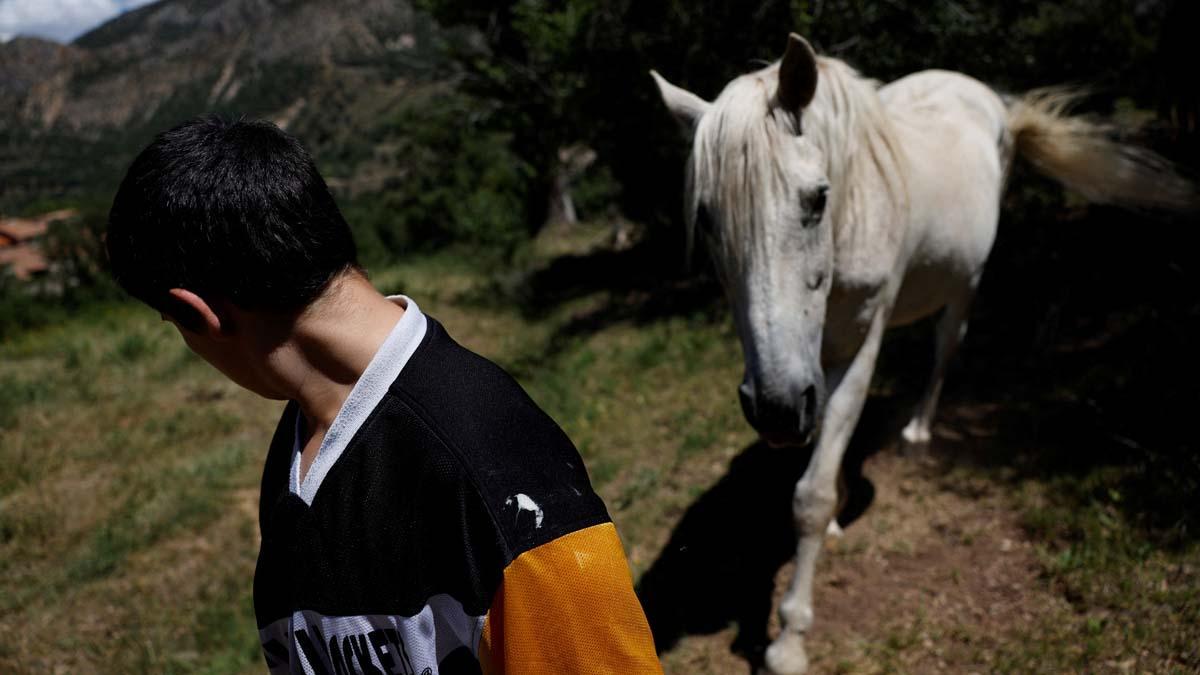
[{"x": 323, "y": 68}]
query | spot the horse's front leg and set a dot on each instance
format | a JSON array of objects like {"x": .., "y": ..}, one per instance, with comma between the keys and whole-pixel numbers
[{"x": 815, "y": 500}]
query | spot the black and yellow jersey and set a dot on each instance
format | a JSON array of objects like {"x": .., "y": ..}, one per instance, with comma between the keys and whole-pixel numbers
[{"x": 446, "y": 526}]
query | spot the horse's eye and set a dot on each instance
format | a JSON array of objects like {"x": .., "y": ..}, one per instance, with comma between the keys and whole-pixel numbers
[{"x": 815, "y": 206}]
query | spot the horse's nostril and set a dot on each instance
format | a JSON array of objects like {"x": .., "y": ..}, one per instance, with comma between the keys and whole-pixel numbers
[
  {"x": 808, "y": 403},
  {"x": 776, "y": 417},
  {"x": 786, "y": 418}
]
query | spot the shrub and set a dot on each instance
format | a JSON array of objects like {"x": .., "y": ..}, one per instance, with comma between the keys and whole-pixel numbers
[{"x": 457, "y": 182}]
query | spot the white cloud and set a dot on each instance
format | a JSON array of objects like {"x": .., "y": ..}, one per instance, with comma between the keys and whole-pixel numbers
[{"x": 61, "y": 20}]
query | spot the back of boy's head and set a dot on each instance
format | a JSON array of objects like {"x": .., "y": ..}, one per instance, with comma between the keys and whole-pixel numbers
[{"x": 231, "y": 210}]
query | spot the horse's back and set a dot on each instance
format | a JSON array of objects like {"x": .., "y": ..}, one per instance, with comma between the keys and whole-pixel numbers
[
  {"x": 954, "y": 130},
  {"x": 944, "y": 95},
  {"x": 955, "y": 134},
  {"x": 941, "y": 113}
]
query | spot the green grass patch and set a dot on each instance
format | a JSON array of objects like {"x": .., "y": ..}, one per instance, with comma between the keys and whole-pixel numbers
[{"x": 154, "y": 505}]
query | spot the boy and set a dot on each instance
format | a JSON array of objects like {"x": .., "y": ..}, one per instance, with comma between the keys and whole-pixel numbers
[{"x": 419, "y": 513}]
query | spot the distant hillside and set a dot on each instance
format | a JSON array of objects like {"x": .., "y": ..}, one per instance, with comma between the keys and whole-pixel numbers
[{"x": 326, "y": 69}]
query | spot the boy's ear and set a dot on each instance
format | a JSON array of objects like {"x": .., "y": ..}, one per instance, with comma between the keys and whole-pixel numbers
[{"x": 203, "y": 317}]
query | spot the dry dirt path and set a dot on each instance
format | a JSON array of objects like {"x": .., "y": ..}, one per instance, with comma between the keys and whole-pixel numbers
[{"x": 936, "y": 576}]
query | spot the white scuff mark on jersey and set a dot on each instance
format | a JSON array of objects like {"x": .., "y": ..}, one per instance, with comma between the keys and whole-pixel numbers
[{"x": 524, "y": 503}]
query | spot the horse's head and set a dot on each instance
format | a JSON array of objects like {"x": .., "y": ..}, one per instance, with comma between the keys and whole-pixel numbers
[{"x": 757, "y": 194}]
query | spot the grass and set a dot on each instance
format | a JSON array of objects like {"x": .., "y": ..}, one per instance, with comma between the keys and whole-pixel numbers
[
  {"x": 128, "y": 487},
  {"x": 1137, "y": 602},
  {"x": 120, "y": 449}
]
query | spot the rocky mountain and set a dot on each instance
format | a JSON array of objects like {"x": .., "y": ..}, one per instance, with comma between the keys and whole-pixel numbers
[
  {"x": 73, "y": 115},
  {"x": 26, "y": 63}
]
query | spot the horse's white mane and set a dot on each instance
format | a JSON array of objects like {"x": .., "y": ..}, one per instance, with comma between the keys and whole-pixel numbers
[
  {"x": 735, "y": 159},
  {"x": 849, "y": 124}
]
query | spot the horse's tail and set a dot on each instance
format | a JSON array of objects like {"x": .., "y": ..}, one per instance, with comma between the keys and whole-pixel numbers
[{"x": 1082, "y": 155}]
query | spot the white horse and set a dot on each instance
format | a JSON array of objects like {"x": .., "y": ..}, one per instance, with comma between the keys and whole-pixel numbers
[{"x": 835, "y": 208}]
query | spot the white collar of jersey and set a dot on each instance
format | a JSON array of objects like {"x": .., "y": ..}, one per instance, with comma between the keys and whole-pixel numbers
[{"x": 383, "y": 369}]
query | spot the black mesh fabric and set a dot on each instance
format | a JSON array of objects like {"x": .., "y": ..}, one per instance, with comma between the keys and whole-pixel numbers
[{"x": 431, "y": 495}]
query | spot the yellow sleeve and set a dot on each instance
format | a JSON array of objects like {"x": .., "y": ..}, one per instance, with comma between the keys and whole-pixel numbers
[{"x": 568, "y": 607}]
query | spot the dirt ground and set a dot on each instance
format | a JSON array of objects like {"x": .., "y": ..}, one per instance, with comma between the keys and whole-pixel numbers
[{"x": 929, "y": 579}]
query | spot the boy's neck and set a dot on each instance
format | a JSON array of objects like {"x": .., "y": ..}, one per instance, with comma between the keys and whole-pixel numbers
[{"x": 330, "y": 345}]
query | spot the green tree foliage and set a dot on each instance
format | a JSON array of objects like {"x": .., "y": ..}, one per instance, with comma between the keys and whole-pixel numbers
[
  {"x": 529, "y": 66},
  {"x": 75, "y": 246},
  {"x": 456, "y": 180},
  {"x": 77, "y": 276},
  {"x": 576, "y": 70}
]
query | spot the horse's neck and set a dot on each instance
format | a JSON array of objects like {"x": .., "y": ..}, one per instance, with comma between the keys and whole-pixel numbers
[{"x": 865, "y": 167}]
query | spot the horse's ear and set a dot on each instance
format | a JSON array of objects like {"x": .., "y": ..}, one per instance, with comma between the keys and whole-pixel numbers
[
  {"x": 687, "y": 107},
  {"x": 797, "y": 74}
]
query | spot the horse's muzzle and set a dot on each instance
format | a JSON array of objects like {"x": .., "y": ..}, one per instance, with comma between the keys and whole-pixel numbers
[{"x": 780, "y": 422}]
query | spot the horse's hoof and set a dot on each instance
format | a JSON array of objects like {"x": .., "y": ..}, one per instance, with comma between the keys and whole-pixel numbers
[
  {"x": 786, "y": 655},
  {"x": 916, "y": 433},
  {"x": 834, "y": 531}
]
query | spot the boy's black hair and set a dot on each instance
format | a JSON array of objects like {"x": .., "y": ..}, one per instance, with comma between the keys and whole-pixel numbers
[{"x": 230, "y": 209}]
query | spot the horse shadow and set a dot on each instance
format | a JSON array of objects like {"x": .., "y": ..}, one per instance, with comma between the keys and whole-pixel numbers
[
  {"x": 719, "y": 565},
  {"x": 651, "y": 271},
  {"x": 637, "y": 285}
]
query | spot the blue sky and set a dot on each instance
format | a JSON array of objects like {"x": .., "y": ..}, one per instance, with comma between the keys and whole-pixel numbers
[{"x": 61, "y": 20}]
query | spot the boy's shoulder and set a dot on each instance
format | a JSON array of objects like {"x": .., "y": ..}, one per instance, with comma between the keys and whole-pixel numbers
[
  {"x": 454, "y": 444},
  {"x": 521, "y": 463}
]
